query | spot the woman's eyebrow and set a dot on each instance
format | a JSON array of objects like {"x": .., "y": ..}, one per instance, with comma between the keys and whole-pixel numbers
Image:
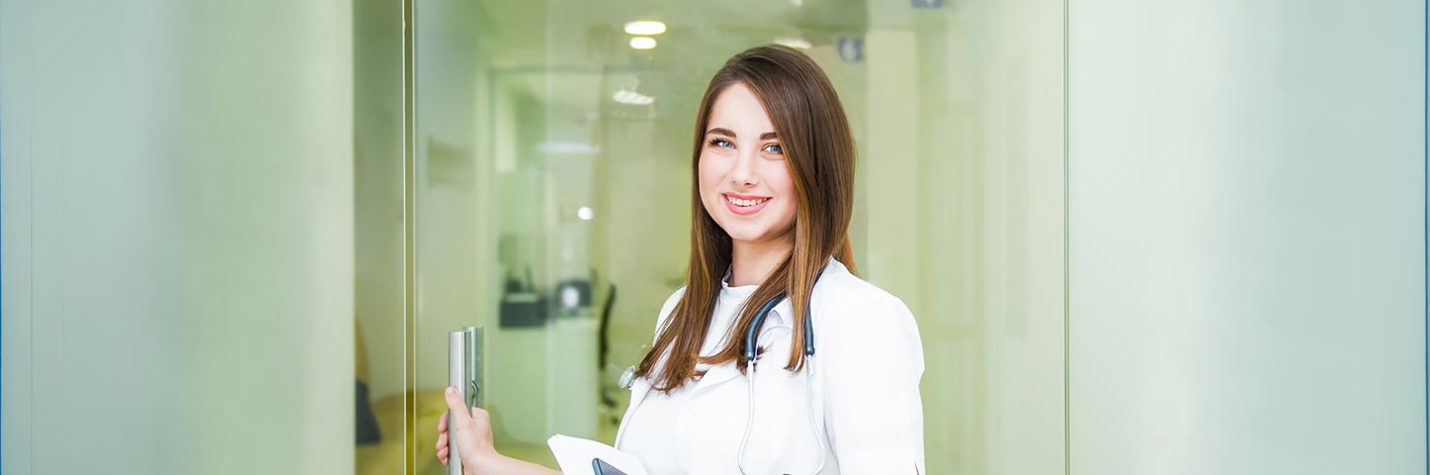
[{"x": 730, "y": 133}]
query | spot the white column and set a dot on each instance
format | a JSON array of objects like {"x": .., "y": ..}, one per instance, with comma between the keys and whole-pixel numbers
[
  {"x": 1247, "y": 249},
  {"x": 177, "y": 216}
]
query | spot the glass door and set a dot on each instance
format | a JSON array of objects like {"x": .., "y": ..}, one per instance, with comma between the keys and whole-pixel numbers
[{"x": 551, "y": 180}]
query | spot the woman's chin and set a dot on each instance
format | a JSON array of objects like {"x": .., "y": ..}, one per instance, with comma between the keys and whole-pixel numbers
[
  {"x": 745, "y": 238},
  {"x": 755, "y": 236}
]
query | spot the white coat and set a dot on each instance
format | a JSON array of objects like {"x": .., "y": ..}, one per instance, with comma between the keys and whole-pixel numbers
[{"x": 867, "y": 364}]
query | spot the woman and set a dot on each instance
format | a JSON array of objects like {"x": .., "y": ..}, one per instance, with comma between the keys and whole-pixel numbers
[{"x": 772, "y": 197}]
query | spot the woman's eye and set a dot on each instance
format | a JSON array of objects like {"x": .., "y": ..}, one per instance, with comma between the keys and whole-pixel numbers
[
  {"x": 722, "y": 143},
  {"x": 774, "y": 148}
]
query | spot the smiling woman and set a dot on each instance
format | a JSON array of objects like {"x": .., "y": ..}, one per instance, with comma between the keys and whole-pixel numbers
[
  {"x": 758, "y": 199},
  {"x": 772, "y": 199},
  {"x": 775, "y": 177}
]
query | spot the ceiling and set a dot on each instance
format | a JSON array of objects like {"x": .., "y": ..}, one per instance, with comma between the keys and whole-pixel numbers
[
  {"x": 588, "y": 33},
  {"x": 572, "y": 55}
]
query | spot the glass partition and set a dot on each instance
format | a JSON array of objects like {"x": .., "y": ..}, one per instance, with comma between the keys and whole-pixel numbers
[
  {"x": 384, "y": 436},
  {"x": 552, "y": 175}
]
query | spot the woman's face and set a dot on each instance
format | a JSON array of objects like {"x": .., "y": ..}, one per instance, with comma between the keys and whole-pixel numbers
[{"x": 745, "y": 184}]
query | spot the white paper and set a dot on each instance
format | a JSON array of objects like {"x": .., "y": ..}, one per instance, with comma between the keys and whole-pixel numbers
[{"x": 574, "y": 455}]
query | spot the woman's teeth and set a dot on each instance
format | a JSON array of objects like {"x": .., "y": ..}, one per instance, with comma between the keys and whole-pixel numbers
[{"x": 745, "y": 203}]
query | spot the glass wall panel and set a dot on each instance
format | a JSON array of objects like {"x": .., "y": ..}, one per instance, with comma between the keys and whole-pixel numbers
[
  {"x": 552, "y": 184},
  {"x": 962, "y": 218},
  {"x": 379, "y": 245},
  {"x": 1247, "y": 248}
]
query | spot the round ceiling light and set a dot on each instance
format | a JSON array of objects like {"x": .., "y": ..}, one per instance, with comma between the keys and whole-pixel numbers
[
  {"x": 643, "y": 42},
  {"x": 645, "y": 28}
]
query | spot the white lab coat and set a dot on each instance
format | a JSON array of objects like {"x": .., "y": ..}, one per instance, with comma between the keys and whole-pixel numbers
[{"x": 867, "y": 364}]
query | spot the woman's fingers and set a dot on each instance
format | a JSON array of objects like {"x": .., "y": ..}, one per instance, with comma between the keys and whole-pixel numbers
[
  {"x": 454, "y": 403},
  {"x": 471, "y": 430},
  {"x": 444, "y": 428},
  {"x": 442, "y": 438}
]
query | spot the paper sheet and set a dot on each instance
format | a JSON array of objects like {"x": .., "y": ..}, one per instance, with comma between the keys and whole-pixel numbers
[{"x": 574, "y": 455}]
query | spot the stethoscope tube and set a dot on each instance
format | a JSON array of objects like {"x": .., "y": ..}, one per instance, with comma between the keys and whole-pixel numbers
[
  {"x": 751, "y": 351},
  {"x": 752, "y": 334}
]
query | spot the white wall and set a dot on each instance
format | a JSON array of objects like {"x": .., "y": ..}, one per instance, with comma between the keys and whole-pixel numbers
[
  {"x": 1247, "y": 237},
  {"x": 177, "y": 237},
  {"x": 961, "y": 181}
]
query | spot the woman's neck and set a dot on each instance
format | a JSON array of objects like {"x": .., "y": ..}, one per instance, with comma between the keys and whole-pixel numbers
[{"x": 752, "y": 262}]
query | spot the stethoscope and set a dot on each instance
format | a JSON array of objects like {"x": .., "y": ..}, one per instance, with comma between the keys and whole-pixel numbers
[{"x": 750, "y": 351}]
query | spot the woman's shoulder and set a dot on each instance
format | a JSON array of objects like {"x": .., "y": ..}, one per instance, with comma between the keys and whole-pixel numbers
[
  {"x": 853, "y": 317},
  {"x": 844, "y": 296},
  {"x": 669, "y": 306}
]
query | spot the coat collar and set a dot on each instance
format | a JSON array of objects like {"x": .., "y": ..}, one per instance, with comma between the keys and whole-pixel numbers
[{"x": 783, "y": 313}]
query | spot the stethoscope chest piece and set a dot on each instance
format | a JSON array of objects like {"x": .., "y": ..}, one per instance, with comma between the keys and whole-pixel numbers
[{"x": 628, "y": 378}]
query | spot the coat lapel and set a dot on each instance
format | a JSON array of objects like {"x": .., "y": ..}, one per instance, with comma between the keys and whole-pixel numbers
[
  {"x": 639, "y": 388},
  {"x": 715, "y": 375},
  {"x": 725, "y": 372}
]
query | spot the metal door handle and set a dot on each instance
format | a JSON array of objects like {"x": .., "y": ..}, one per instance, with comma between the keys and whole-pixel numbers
[{"x": 464, "y": 372}]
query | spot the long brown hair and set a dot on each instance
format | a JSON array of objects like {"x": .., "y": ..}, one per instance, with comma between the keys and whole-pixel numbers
[{"x": 819, "y": 151}]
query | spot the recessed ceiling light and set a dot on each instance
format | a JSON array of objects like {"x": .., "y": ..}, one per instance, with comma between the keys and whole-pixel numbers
[
  {"x": 567, "y": 148},
  {"x": 645, "y": 28},
  {"x": 643, "y": 42},
  {"x": 633, "y": 98},
  {"x": 796, "y": 43}
]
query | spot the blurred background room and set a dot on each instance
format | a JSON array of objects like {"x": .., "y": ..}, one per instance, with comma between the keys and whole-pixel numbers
[{"x": 1139, "y": 237}]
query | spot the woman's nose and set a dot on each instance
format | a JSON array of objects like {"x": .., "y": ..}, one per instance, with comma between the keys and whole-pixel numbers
[{"x": 743, "y": 172}]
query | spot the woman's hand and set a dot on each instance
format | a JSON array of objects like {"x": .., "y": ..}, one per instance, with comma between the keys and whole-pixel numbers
[{"x": 472, "y": 432}]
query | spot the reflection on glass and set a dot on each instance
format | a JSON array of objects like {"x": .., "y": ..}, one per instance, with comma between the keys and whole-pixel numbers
[
  {"x": 378, "y": 238},
  {"x": 553, "y": 175}
]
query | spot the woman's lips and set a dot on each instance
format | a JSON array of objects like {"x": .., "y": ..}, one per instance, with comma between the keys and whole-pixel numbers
[{"x": 747, "y": 204}]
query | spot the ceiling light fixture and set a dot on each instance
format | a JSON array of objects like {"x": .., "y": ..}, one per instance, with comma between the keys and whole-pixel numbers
[
  {"x": 633, "y": 98},
  {"x": 643, "y": 42},
  {"x": 645, "y": 28},
  {"x": 796, "y": 43},
  {"x": 567, "y": 148}
]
